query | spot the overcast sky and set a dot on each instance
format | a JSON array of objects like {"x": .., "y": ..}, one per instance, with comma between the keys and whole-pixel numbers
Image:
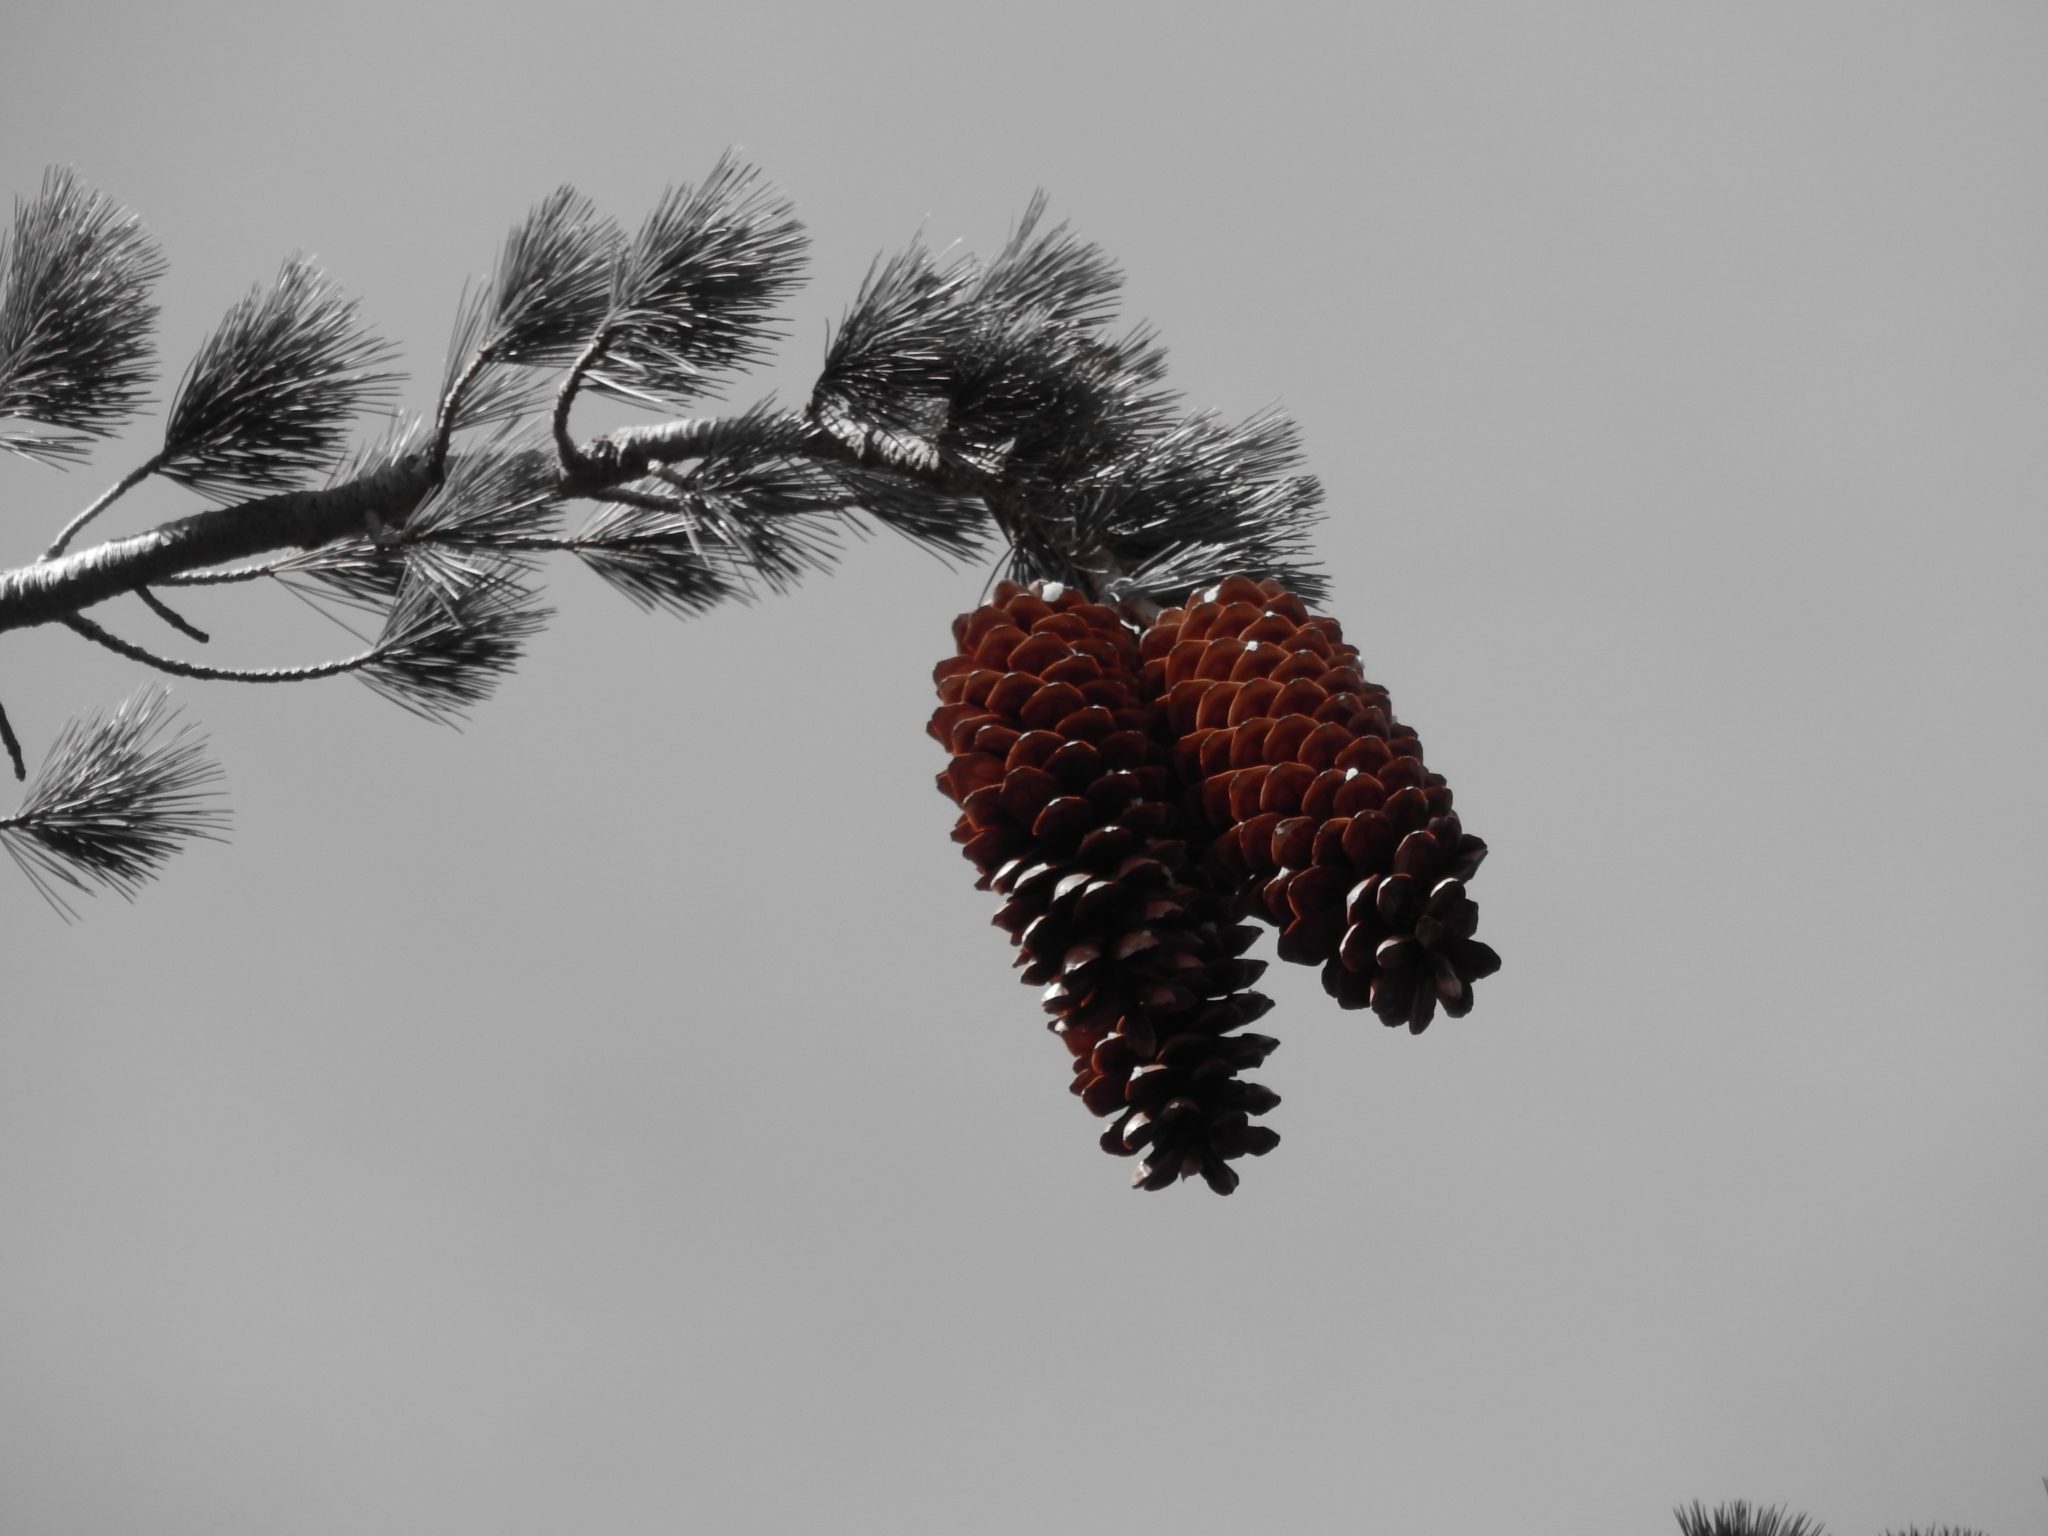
[{"x": 620, "y": 1117}]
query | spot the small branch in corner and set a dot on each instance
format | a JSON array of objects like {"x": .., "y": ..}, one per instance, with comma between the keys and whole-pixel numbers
[
  {"x": 575, "y": 465},
  {"x": 450, "y": 409},
  {"x": 7, "y": 739},
  {"x": 113, "y": 493},
  {"x": 173, "y": 618}
]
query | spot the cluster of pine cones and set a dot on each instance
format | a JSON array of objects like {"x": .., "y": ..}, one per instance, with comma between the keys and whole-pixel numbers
[{"x": 1133, "y": 795}]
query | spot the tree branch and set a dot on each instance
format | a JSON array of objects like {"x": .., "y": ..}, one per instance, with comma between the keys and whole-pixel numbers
[
  {"x": 225, "y": 577},
  {"x": 177, "y": 553},
  {"x": 573, "y": 462},
  {"x": 51, "y": 590},
  {"x": 176, "y": 668}
]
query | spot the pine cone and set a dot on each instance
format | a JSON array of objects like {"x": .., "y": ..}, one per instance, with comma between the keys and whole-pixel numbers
[
  {"x": 1321, "y": 809},
  {"x": 1071, "y": 811}
]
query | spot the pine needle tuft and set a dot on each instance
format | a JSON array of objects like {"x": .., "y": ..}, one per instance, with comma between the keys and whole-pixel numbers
[
  {"x": 268, "y": 399},
  {"x": 75, "y": 318},
  {"x": 553, "y": 283},
  {"x": 116, "y": 797},
  {"x": 693, "y": 294},
  {"x": 538, "y": 310},
  {"x": 454, "y": 633}
]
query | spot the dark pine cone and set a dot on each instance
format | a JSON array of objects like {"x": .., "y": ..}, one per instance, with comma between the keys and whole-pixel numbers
[
  {"x": 1071, "y": 811},
  {"x": 1323, "y": 814}
]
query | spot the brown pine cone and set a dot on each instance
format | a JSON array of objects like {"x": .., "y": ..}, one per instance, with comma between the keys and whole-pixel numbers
[
  {"x": 1071, "y": 812},
  {"x": 1321, "y": 809}
]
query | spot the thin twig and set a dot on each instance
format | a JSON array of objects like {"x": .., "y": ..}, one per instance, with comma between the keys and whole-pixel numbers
[
  {"x": 113, "y": 493},
  {"x": 645, "y": 500},
  {"x": 176, "y": 668},
  {"x": 538, "y": 542},
  {"x": 575, "y": 466},
  {"x": 451, "y": 403},
  {"x": 170, "y": 616},
  {"x": 7, "y": 739},
  {"x": 222, "y": 578}
]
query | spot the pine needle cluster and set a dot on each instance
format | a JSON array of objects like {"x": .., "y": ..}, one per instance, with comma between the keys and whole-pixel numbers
[
  {"x": 118, "y": 795},
  {"x": 75, "y": 319},
  {"x": 271, "y": 394}
]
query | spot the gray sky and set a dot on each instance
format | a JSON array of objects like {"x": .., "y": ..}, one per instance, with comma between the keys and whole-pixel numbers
[{"x": 620, "y": 1117}]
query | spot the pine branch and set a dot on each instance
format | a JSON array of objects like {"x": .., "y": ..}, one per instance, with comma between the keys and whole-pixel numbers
[
  {"x": 201, "y": 672},
  {"x": 953, "y": 389},
  {"x": 956, "y": 395},
  {"x": 115, "y": 797},
  {"x": 361, "y": 573},
  {"x": 267, "y": 400},
  {"x": 106, "y": 499},
  {"x": 762, "y": 428},
  {"x": 767, "y": 499},
  {"x": 362, "y": 569},
  {"x": 75, "y": 318},
  {"x": 47, "y": 591}
]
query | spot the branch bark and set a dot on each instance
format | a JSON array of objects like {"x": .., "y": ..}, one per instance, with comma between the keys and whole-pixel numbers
[{"x": 54, "y": 590}]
